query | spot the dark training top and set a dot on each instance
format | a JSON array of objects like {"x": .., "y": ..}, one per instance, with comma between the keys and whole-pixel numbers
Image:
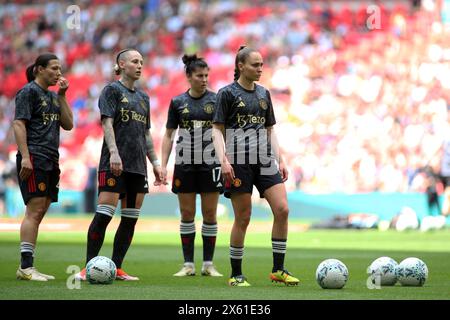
[
  {"x": 247, "y": 112},
  {"x": 130, "y": 111},
  {"x": 194, "y": 118},
  {"x": 40, "y": 109}
]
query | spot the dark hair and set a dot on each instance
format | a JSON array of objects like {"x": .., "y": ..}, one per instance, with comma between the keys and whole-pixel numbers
[
  {"x": 241, "y": 56},
  {"x": 117, "y": 70},
  {"x": 192, "y": 62},
  {"x": 42, "y": 60}
]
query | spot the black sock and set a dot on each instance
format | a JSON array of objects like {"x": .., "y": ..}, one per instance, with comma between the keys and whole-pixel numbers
[
  {"x": 27, "y": 254},
  {"x": 122, "y": 240},
  {"x": 96, "y": 234},
  {"x": 236, "y": 255},
  {"x": 187, "y": 233},
  {"x": 209, "y": 235},
  {"x": 279, "y": 251},
  {"x": 26, "y": 260}
]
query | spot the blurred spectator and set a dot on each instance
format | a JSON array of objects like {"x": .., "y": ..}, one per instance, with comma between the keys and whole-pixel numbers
[
  {"x": 2, "y": 189},
  {"x": 433, "y": 187},
  {"x": 7, "y": 179}
]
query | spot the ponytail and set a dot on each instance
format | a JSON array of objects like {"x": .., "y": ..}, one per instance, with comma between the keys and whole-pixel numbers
[{"x": 30, "y": 73}]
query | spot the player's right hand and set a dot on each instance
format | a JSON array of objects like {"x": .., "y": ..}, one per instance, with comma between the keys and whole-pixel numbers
[
  {"x": 116, "y": 164},
  {"x": 26, "y": 169},
  {"x": 227, "y": 173},
  {"x": 157, "y": 171}
]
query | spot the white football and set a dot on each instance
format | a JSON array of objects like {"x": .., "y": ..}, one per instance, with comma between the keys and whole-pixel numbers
[
  {"x": 332, "y": 274},
  {"x": 101, "y": 270},
  {"x": 412, "y": 272},
  {"x": 382, "y": 271}
]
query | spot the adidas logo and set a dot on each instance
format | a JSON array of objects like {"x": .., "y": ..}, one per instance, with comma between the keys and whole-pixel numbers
[
  {"x": 185, "y": 110},
  {"x": 219, "y": 185},
  {"x": 124, "y": 100},
  {"x": 241, "y": 104}
]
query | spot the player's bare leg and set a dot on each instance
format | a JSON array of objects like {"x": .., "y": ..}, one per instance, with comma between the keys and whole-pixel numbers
[
  {"x": 187, "y": 232},
  {"x": 209, "y": 232},
  {"x": 277, "y": 198},
  {"x": 242, "y": 207},
  {"x": 35, "y": 212}
]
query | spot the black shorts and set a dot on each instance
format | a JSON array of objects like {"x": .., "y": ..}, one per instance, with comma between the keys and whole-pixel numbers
[
  {"x": 41, "y": 183},
  {"x": 247, "y": 175},
  {"x": 197, "y": 179},
  {"x": 126, "y": 183}
]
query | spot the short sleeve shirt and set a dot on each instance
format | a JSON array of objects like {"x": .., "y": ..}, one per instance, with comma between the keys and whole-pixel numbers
[
  {"x": 41, "y": 111},
  {"x": 245, "y": 112},
  {"x": 193, "y": 117},
  {"x": 130, "y": 111}
]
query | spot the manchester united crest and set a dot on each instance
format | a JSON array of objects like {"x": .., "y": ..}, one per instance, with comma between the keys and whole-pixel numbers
[
  {"x": 209, "y": 108},
  {"x": 111, "y": 182},
  {"x": 263, "y": 104},
  {"x": 237, "y": 183},
  {"x": 42, "y": 186},
  {"x": 177, "y": 183}
]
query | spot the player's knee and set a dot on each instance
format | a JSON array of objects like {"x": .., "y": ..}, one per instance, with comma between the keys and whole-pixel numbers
[
  {"x": 36, "y": 213},
  {"x": 243, "y": 221},
  {"x": 187, "y": 214},
  {"x": 36, "y": 216},
  {"x": 209, "y": 216},
  {"x": 281, "y": 213}
]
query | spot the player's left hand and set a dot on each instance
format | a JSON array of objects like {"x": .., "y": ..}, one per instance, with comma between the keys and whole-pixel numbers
[
  {"x": 284, "y": 172},
  {"x": 63, "y": 84}
]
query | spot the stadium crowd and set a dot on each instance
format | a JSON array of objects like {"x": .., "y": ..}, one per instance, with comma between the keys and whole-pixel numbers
[{"x": 361, "y": 106}]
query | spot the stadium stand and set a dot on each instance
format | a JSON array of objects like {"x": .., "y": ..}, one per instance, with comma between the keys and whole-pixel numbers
[{"x": 360, "y": 108}]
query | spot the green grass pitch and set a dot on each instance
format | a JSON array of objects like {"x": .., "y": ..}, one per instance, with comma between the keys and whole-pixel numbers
[{"x": 155, "y": 256}]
